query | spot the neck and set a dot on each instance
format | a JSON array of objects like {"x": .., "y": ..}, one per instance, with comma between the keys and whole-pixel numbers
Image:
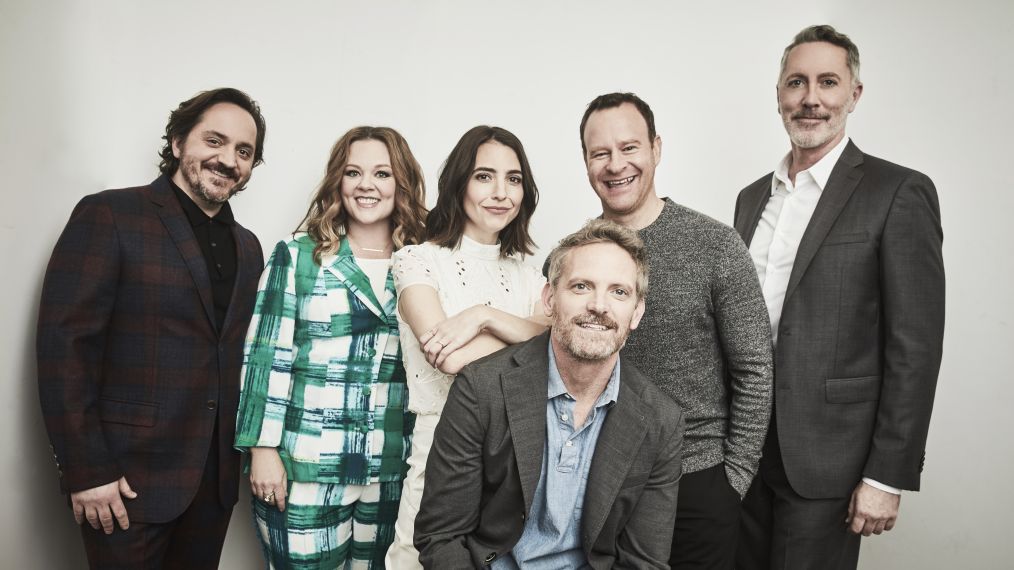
[
  {"x": 640, "y": 218},
  {"x": 484, "y": 238},
  {"x": 370, "y": 241},
  {"x": 209, "y": 208},
  {"x": 584, "y": 379},
  {"x": 804, "y": 158}
]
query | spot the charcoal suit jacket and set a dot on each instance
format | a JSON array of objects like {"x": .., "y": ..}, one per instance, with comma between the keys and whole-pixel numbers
[
  {"x": 861, "y": 331},
  {"x": 486, "y": 460},
  {"x": 133, "y": 370}
]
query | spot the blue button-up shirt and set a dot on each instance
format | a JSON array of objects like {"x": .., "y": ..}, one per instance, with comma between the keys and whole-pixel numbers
[{"x": 552, "y": 535}]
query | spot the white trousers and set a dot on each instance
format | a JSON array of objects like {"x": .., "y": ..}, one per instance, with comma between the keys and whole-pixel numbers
[{"x": 402, "y": 555}]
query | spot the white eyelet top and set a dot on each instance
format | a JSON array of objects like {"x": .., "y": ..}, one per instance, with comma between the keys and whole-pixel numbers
[{"x": 473, "y": 274}]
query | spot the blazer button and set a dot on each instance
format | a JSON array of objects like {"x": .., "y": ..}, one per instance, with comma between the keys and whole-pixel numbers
[
  {"x": 489, "y": 558},
  {"x": 211, "y": 404}
]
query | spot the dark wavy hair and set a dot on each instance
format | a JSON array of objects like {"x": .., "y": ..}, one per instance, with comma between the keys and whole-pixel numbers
[
  {"x": 446, "y": 221},
  {"x": 189, "y": 113},
  {"x": 325, "y": 219},
  {"x": 613, "y": 100}
]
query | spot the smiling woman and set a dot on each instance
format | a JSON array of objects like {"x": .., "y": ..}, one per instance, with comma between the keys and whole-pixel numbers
[
  {"x": 322, "y": 410},
  {"x": 465, "y": 293}
]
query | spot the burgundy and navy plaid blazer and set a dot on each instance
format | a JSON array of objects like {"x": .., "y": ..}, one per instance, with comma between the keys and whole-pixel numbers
[{"x": 133, "y": 372}]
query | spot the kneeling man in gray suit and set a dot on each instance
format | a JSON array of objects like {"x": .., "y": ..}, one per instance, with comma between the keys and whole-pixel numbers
[{"x": 550, "y": 453}]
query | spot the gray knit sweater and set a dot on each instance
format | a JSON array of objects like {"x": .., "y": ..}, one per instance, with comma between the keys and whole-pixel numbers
[{"x": 705, "y": 340}]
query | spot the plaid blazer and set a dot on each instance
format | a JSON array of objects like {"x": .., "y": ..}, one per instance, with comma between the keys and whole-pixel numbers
[
  {"x": 133, "y": 373},
  {"x": 323, "y": 379}
]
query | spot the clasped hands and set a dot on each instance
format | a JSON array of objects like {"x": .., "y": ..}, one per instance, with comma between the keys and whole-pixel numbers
[{"x": 452, "y": 333}]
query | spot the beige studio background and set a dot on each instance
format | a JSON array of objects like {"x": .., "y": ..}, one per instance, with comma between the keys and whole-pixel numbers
[{"x": 87, "y": 87}]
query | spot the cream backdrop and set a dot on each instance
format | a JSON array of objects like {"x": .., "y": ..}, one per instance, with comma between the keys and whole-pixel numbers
[{"x": 87, "y": 87}]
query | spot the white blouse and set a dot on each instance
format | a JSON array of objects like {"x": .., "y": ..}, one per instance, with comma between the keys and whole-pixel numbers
[{"x": 473, "y": 274}]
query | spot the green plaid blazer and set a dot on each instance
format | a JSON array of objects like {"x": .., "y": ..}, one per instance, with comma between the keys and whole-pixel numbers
[{"x": 322, "y": 375}]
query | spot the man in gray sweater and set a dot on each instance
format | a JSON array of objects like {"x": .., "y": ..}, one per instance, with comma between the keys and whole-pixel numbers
[{"x": 705, "y": 337}]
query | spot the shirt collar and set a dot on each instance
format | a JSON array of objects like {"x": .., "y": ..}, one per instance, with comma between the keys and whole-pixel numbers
[
  {"x": 194, "y": 212},
  {"x": 558, "y": 388},
  {"x": 819, "y": 172}
]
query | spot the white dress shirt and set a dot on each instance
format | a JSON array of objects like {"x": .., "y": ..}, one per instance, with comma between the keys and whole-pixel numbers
[{"x": 779, "y": 231}]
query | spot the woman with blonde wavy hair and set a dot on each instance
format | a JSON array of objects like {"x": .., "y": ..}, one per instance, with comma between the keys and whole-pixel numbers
[{"x": 323, "y": 408}]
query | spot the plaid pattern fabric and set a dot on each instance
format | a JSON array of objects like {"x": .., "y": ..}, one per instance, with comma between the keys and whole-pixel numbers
[
  {"x": 323, "y": 379},
  {"x": 134, "y": 374},
  {"x": 328, "y": 526}
]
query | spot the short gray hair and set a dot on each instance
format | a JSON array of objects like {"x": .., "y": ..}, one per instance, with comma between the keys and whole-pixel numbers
[
  {"x": 602, "y": 231},
  {"x": 826, "y": 33}
]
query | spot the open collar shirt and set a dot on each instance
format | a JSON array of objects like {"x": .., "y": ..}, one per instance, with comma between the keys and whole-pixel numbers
[{"x": 552, "y": 534}]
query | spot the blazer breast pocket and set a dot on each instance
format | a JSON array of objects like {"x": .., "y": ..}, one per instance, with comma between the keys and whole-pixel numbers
[
  {"x": 846, "y": 238},
  {"x": 852, "y": 390}
]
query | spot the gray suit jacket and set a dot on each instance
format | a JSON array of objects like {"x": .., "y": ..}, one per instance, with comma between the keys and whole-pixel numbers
[
  {"x": 486, "y": 461},
  {"x": 861, "y": 331}
]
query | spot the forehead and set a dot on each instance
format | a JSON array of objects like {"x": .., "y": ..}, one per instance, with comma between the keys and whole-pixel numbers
[
  {"x": 600, "y": 262},
  {"x": 616, "y": 123},
  {"x": 230, "y": 120},
  {"x": 369, "y": 150},
  {"x": 814, "y": 58},
  {"x": 492, "y": 153}
]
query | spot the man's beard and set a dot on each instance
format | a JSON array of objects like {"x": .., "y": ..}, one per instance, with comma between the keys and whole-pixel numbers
[
  {"x": 817, "y": 136},
  {"x": 191, "y": 171},
  {"x": 584, "y": 344}
]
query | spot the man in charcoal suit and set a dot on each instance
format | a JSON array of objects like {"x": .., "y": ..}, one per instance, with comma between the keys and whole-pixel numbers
[{"x": 848, "y": 250}]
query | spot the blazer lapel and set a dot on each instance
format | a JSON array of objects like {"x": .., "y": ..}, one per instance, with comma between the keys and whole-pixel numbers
[
  {"x": 344, "y": 267},
  {"x": 524, "y": 391},
  {"x": 840, "y": 185},
  {"x": 182, "y": 234},
  {"x": 618, "y": 444},
  {"x": 243, "y": 248},
  {"x": 752, "y": 207}
]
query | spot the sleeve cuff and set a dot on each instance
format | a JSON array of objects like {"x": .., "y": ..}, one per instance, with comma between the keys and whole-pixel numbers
[{"x": 881, "y": 486}]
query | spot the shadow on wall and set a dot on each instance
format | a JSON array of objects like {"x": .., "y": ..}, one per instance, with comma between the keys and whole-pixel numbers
[{"x": 56, "y": 538}]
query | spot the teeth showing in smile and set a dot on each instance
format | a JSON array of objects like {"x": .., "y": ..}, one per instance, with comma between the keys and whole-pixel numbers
[
  {"x": 367, "y": 201},
  {"x": 615, "y": 183},
  {"x": 593, "y": 327}
]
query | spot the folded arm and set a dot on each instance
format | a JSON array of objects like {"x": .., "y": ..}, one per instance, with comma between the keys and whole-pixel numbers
[{"x": 452, "y": 342}]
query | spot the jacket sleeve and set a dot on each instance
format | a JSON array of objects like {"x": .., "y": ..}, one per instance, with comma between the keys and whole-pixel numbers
[
  {"x": 449, "y": 510},
  {"x": 646, "y": 540},
  {"x": 912, "y": 293},
  {"x": 266, "y": 379},
  {"x": 78, "y": 297},
  {"x": 744, "y": 330}
]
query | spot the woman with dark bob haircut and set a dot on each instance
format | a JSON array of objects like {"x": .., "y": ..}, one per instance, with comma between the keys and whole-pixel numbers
[
  {"x": 465, "y": 292},
  {"x": 322, "y": 409}
]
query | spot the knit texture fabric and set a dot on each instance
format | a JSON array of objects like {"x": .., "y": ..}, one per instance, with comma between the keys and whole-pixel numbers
[{"x": 705, "y": 340}]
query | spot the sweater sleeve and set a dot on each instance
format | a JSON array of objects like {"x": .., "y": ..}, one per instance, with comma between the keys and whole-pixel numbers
[{"x": 745, "y": 334}]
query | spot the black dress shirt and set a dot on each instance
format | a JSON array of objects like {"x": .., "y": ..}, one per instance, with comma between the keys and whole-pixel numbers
[{"x": 218, "y": 246}]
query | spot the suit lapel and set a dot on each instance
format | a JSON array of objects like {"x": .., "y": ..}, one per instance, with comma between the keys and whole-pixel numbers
[
  {"x": 243, "y": 247},
  {"x": 618, "y": 444},
  {"x": 524, "y": 391},
  {"x": 752, "y": 207},
  {"x": 344, "y": 268},
  {"x": 840, "y": 185},
  {"x": 182, "y": 234}
]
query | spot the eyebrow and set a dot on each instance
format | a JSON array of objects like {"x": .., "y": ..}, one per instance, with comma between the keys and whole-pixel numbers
[
  {"x": 223, "y": 136},
  {"x": 354, "y": 165},
  {"x": 493, "y": 170}
]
